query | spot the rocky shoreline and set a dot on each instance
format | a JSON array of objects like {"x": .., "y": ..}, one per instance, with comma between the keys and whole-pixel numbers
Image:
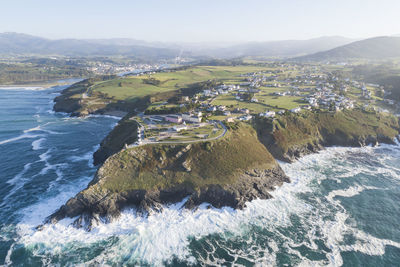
[
  {"x": 182, "y": 167},
  {"x": 221, "y": 173},
  {"x": 91, "y": 206}
]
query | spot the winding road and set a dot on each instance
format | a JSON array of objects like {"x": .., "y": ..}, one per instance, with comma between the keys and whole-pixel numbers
[{"x": 178, "y": 142}]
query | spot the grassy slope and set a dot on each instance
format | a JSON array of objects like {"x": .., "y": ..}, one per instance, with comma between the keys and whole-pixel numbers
[
  {"x": 134, "y": 87},
  {"x": 341, "y": 128},
  {"x": 372, "y": 48},
  {"x": 131, "y": 93},
  {"x": 157, "y": 166},
  {"x": 22, "y": 73}
]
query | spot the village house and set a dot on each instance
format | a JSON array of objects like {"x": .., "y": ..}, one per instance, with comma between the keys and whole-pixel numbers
[
  {"x": 245, "y": 118},
  {"x": 191, "y": 118},
  {"x": 295, "y": 110},
  {"x": 268, "y": 114},
  {"x": 179, "y": 128},
  {"x": 173, "y": 118}
]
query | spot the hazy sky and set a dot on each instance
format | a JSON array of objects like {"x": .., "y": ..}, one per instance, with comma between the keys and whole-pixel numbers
[{"x": 201, "y": 20}]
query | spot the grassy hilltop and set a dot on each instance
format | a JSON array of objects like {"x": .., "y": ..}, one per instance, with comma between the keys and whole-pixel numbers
[
  {"x": 220, "y": 172},
  {"x": 162, "y": 166}
]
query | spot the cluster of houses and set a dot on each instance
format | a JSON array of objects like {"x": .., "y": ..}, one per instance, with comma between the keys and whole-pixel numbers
[
  {"x": 317, "y": 89},
  {"x": 222, "y": 89},
  {"x": 112, "y": 68},
  {"x": 367, "y": 94},
  {"x": 326, "y": 99}
]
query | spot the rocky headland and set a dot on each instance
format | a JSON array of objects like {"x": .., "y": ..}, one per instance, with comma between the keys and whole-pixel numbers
[{"x": 230, "y": 171}]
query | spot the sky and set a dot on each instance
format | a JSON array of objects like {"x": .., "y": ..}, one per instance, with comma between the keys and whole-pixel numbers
[{"x": 201, "y": 20}]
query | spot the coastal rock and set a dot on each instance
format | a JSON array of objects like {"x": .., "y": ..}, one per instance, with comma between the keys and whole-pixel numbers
[
  {"x": 229, "y": 171},
  {"x": 222, "y": 173},
  {"x": 93, "y": 204},
  {"x": 292, "y": 136}
]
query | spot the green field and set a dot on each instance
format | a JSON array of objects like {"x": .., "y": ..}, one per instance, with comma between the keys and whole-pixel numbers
[{"x": 129, "y": 88}]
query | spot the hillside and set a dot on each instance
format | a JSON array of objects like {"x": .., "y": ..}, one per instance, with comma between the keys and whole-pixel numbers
[
  {"x": 274, "y": 49},
  {"x": 229, "y": 171},
  {"x": 291, "y": 136},
  {"x": 138, "y": 92},
  {"x": 377, "y": 48}
]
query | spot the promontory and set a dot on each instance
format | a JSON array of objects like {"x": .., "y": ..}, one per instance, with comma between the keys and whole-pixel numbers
[{"x": 213, "y": 134}]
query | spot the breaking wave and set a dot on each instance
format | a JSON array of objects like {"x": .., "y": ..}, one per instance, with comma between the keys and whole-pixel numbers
[{"x": 213, "y": 236}]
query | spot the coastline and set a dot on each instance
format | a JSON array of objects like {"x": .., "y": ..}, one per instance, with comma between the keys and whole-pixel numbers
[
  {"x": 41, "y": 85},
  {"x": 153, "y": 163}
]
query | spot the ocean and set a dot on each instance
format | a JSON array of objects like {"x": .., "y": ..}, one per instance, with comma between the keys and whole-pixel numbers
[{"x": 341, "y": 208}]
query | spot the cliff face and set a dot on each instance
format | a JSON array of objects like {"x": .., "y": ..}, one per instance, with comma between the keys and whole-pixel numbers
[
  {"x": 292, "y": 136},
  {"x": 221, "y": 172},
  {"x": 124, "y": 133},
  {"x": 230, "y": 171},
  {"x": 76, "y": 100}
]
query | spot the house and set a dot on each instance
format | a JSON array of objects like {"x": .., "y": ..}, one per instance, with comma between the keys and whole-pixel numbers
[
  {"x": 179, "y": 128},
  {"x": 245, "y": 118},
  {"x": 191, "y": 118},
  {"x": 195, "y": 119},
  {"x": 245, "y": 110},
  {"x": 229, "y": 119},
  {"x": 212, "y": 108},
  {"x": 269, "y": 114},
  {"x": 295, "y": 110},
  {"x": 173, "y": 118},
  {"x": 184, "y": 98},
  {"x": 207, "y": 92}
]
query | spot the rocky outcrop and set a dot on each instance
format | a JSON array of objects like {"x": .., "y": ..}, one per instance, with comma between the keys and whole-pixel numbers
[
  {"x": 229, "y": 171},
  {"x": 292, "y": 136},
  {"x": 94, "y": 204},
  {"x": 221, "y": 172},
  {"x": 124, "y": 133},
  {"x": 80, "y": 101}
]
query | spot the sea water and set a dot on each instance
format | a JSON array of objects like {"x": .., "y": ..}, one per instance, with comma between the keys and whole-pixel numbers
[{"x": 341, "y": 208}]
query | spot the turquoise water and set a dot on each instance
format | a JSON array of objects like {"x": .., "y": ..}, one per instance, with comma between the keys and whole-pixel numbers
[{"x": 341, "y": 208}]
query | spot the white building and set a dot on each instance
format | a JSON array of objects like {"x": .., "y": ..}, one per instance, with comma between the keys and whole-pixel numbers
[
  {"x": 268, "y": 114},
  {"x": 295, "y": 110}
]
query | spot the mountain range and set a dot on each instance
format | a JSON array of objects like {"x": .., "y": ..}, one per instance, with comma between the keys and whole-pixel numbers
[
  {"x": 377, "y": 48},
  {"x": 317, "y": 49},
  {"x": 278, "y": 49},
  {"x": 23, "y": 44}
]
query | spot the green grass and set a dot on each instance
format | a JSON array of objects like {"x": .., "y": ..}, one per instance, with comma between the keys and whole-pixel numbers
[
  {"x": 341, "y": 128},
  {"x": 133, "y": 87},
  {"x": 191, "y": 134},
  {"x": 156, "y": 166},
  {"x": 266, "y": 101}
]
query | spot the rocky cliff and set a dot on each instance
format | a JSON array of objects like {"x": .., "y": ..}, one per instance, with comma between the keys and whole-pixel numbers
[
  {"x": 230, "y": 171},
  {"x": 291, "y": 136},
  {"x": 124, "y": 133},
  {"x": 223, "y": 172}
]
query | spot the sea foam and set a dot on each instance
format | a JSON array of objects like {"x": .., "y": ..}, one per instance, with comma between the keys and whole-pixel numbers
[{"x": 167, "y": 235}]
